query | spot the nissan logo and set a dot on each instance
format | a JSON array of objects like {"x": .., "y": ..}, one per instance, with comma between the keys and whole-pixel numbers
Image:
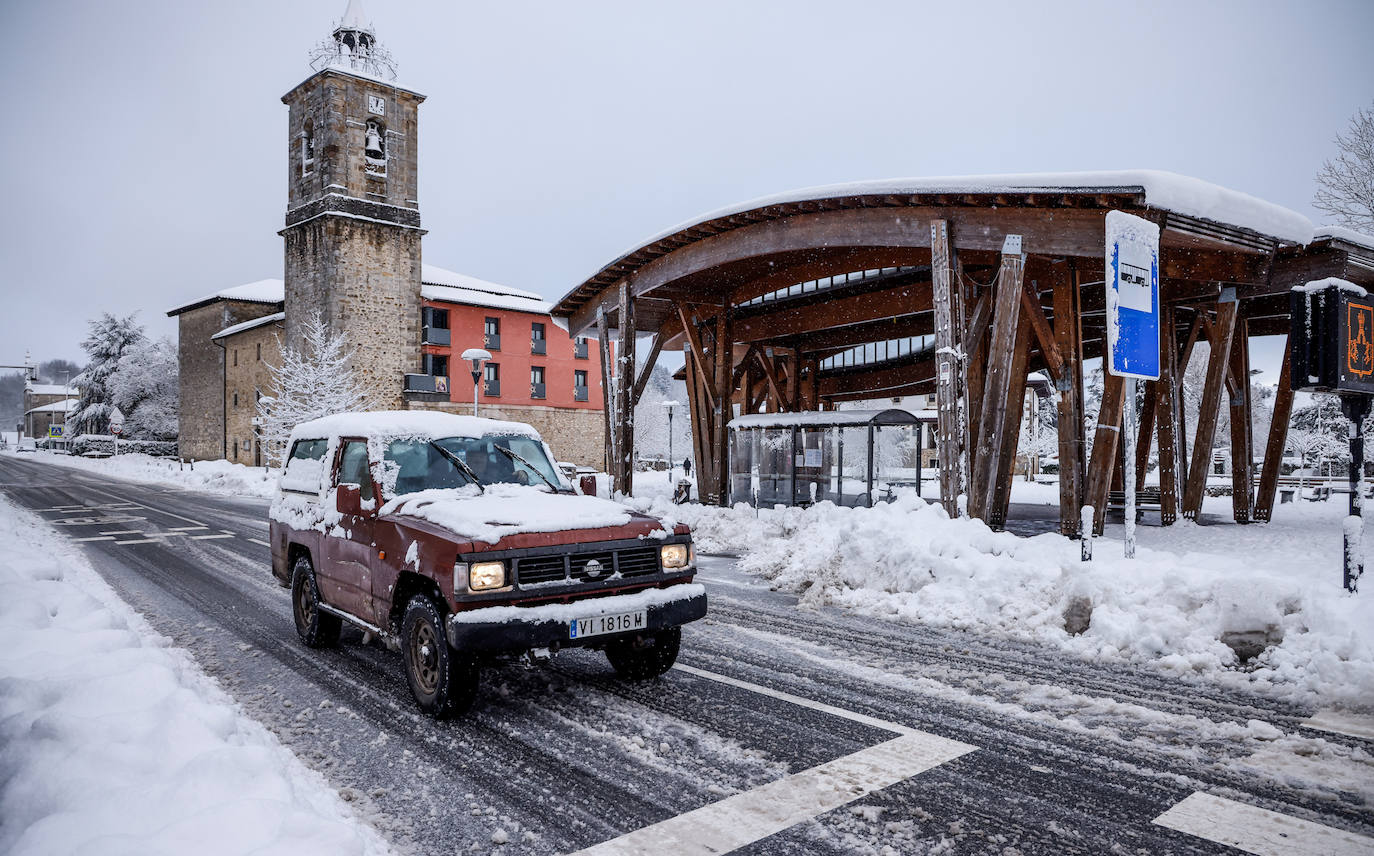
[{"x": 592, "y": 568}]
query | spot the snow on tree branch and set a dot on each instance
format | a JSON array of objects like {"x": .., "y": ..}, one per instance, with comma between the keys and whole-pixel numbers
[{"x": 1345, "y": 186}]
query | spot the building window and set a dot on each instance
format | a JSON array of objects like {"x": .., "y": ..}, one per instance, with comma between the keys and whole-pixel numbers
[
  {"x": 259, "y": 351},
  {"x": 537, "y": 343},
  {"x": 537, "y": 382},
  {"x": 436, "y": 364},
  {"x": 579, "y": 385},
  {"x": 492, "y": 376},
  {"x": 236, "y": 356},
  {"x": 491, "y": 334},
  {"x": 374, "y": 147},
  {"x": 580, "y": 348},
  {"x": 308, "y": 149},
  {"x": 236, "y": 399}
]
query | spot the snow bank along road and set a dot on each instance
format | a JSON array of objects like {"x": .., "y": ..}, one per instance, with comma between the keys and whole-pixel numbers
[{"x": 782, "y": 731}]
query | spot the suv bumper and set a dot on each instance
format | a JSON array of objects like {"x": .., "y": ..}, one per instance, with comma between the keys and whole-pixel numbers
[{"x": 494, "y": 629}]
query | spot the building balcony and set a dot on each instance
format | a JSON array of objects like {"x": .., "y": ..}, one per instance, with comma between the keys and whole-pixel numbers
[
  {"x": 426, "y": 384},
  {"x": 539, "y": 347},
  {"x": 436, "y": 336},
  {"x": 492, "y": 388},
  {"x": 580, "y": 350},
  {"x": 491, "y": 341},
  {"x": 536, "y": 390},
  {"x": 579, "y": 393}
]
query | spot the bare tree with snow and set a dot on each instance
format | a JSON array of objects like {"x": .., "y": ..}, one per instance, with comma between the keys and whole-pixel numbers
[
  {"x": 143, "y": 387},
  {"x": 1345, "y": 186},
  {"x": 313, "y": 380}
]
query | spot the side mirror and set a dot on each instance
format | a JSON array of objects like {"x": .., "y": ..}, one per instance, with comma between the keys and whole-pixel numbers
[{"x": 349, "y": 499}]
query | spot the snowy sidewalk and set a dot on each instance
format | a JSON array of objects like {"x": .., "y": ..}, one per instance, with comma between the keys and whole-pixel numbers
[{"x": 113, "y": 742}]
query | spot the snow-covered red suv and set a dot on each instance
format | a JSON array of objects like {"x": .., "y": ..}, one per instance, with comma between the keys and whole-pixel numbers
[{"x": 455, "y": 539}]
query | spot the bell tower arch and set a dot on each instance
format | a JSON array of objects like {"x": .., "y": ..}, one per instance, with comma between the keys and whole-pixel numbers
[{"x": 352, "y": 230}]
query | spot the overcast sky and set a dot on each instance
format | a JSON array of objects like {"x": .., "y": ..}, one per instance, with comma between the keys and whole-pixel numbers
[{"x": 147, "y": 157}]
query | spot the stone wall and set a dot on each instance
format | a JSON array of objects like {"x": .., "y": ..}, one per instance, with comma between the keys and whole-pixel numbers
[
  {"x": 576, "y": 436},
  {"x": 248, "y": 356},
  {"x": 364, "y": 279},
  {"x": 200, "y": 421}
]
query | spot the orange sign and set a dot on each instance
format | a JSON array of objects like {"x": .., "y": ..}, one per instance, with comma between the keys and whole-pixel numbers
[{"x": 1359, "y": 347}]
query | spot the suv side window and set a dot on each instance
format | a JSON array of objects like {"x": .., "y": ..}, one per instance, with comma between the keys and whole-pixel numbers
[{"x": 353, "y": 468}]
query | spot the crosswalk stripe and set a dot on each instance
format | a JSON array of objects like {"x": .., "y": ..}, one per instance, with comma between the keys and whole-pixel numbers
[
  {"x": 208, "y": 537},
  {"x": 1260, "y": 831}
]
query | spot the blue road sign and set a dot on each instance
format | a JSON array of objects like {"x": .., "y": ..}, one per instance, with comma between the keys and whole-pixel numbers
[{"x": 1132, "y": 296}]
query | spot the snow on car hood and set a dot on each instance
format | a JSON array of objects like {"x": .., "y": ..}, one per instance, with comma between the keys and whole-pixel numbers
[{"x": 507, "y": 509}]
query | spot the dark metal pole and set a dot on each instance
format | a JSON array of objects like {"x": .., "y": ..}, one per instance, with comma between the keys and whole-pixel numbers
[{"x": 1355, "y": 408}]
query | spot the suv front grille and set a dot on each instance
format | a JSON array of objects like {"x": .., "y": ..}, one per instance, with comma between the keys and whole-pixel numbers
[{"x": 630, "y": 562}]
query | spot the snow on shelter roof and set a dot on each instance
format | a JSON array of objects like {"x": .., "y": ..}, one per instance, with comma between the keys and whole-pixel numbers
[
  {"x": 249, "y": 325},
  {"x": 1350, "y": 236},
  {"x": 262, "y": 291},
  {"x": 891, "y": 416},
  {"x": 409, "y": 423}
]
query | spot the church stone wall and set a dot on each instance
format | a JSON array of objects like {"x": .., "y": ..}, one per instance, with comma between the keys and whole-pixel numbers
[
  {"x": 200, "y": 419},
  {"x": 248, "y": 357}
]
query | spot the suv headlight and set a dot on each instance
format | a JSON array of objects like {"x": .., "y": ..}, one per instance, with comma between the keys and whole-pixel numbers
[
  {"x": 675, "y": 555},
  {"x": 483, "y": 576}
]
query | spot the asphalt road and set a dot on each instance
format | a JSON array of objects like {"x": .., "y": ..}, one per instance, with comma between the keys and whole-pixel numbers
[{"x": 941, "y": 741}]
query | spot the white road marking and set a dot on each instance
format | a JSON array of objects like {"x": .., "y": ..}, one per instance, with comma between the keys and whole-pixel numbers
[
  {"x": 185, "y": 528},
  {"x": 142, "y": 541},
  {"x": 96, "y": 538},
  {"x": 1341, "y": 722},
  {"x": 263, "y": 543},
  {"x": 123, "y": 532},
  {"x": 798, "y": 700},
  {"x": 1260, "y": 831},
  {"x": 208, "y": 537},
  {"x": 742, "y": 819}
]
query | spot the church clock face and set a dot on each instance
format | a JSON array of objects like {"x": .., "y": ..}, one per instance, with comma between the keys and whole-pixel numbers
[{"x": 376, "y": 104}]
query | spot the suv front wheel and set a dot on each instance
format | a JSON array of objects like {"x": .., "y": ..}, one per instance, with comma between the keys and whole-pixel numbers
[
  {"x": 443, "y": 681},
  {"x": 641, "y": 657}
]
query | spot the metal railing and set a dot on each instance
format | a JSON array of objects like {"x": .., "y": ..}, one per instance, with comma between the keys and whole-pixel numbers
[{"x": 436, "y": 336}]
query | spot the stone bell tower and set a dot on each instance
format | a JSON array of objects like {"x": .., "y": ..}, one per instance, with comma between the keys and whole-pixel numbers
[{"x": 353, "y": 216}]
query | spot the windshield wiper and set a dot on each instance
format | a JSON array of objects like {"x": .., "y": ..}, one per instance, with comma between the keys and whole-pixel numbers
[
  {"x": 515, "y": 457},
  {"x": 462, "y": 467}
]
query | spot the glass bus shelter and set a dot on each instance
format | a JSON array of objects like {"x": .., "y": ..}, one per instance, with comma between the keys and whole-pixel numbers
[{"x": 849, "y": 457}]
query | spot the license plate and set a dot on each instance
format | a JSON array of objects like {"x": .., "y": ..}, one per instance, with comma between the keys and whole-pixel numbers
[{"x": 623, "y": 622}]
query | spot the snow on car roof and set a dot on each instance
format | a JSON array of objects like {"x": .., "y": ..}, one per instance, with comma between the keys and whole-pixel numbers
[{"x": 409, "y": 423}]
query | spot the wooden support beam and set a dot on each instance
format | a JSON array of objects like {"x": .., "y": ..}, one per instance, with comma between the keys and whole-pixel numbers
[
  {"x": 1069, "y": 337},
  {"x": 770, "y": 374},
  {"x": 793, "y": 365},
  {"x": 1146, "y": 433},
  {"x": 699, "y": 355},
  {"x": 701, "y": 430},
  {"x": 1211, "y": 406},
  {"x": 950, "y": 372},
  {"x": 905, "y": 299},
  {"x": 1105, "y": 443},
  {"x": 603, "y": 344},
  {"x": 1006, "y": 316},
  {"x": 1278, "y": 439},
  {"x": 1005, "y": 471},
  {"x": 623, "y": 474},
  {"x": 1242, "y": 431},
  {"x": 1044, "y": 334},
  {"x": 1169, "y": 415},
  {"x": 648, "y": 368},
  {"x": 720, "y": 446}
]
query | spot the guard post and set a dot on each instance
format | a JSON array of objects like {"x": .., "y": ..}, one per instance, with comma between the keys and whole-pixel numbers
[{"x": 1332, "y": 344}]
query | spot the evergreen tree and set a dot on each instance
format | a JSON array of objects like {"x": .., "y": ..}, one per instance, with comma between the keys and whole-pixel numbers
[
  {"x": 144, "y": 388},
  {"x": 109, "y": 339},
  {"x": 313, "y": 380}
]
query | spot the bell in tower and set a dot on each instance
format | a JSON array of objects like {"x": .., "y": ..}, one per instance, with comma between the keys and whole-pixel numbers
[{"x": 373, "y": 146}]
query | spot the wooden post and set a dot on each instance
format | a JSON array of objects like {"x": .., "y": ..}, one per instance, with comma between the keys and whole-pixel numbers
[
  {"x": 696, "y": 404},
  {"x": 1224, "y": 329},
  {"x": 1170, "y": 418},
  {"x": 1105, "y": 443},
  {"x": 624, "y": 394},
  {"x": 720, "y": 446},
  {"x": 1242, "y": 432},
  {"x": 1146, "y": 434},
  {"x": 1001, "y": 357},
  {"x": 608, "y": 410},
  {"x": 1015, "y": 411},
  {"x": 975, "y": 374},
  {"x": 1278, "y": 439},
  {"x": 1069, "y": 335},
  {"x": 950, "y": 368}
]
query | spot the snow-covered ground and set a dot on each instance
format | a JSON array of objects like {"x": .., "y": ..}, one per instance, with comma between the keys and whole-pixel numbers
[
  {"x": 1189, "y": 588},
  {"x": 111, "y": 741},
  {"x": 222, "y": 477}
]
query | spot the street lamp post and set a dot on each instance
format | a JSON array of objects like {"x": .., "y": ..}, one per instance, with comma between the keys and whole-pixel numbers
[
  {"x": 670, "y": 405},
  {"x": 478, "y": 356}
]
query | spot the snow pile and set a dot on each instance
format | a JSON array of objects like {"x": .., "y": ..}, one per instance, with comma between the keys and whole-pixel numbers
[
  {"x": 221, "y": 477},
  {"x": 507, "y": 509},
  {"x": 1189, "y": 588},
  {"x": 116, "y": 743}
]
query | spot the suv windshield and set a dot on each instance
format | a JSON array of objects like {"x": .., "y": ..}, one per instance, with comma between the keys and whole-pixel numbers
[{"x": 416, "y": 465}]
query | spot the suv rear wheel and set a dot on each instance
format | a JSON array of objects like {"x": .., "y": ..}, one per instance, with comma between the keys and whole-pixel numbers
[
  {"x": 317, "y": 629},
  {"x": 642, "y": 657},
  {"x": 443, "y": 681}
]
